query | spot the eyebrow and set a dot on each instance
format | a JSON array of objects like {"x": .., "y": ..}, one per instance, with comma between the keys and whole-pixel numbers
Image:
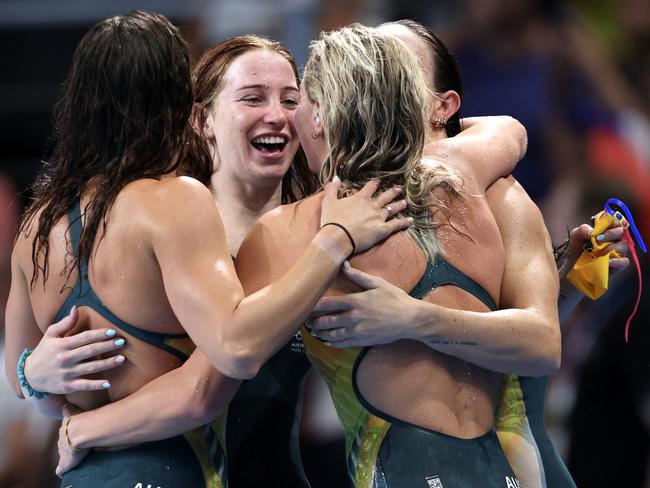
[{"x": 259, "y": 86}]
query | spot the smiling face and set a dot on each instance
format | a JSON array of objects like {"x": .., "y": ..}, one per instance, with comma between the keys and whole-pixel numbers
[{"x": 250, "y": 121}]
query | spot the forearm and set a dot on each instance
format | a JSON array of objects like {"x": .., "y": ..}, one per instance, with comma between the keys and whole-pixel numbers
[
  {"x": 487, "y": 149},
  {"x": 284, "y": 304},
  {"x": 521, "y": 341},
  {"x": 170, "y": 405},
  {"x": 506, "y": 132}
]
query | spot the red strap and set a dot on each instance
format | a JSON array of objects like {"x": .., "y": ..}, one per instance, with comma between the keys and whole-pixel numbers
[{"x": 630, "y": 244}]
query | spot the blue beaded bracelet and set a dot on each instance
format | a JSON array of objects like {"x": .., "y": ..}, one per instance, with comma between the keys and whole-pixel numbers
[{"x": 20, "y": 371}]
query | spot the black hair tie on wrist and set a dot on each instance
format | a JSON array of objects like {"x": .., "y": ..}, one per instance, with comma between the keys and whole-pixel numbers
[{"x": 347, "y": 233}]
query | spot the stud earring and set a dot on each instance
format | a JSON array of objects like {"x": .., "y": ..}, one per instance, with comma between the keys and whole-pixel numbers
[
  {"x": 317, "y": 117},
  {"x": 439, "y": 122}
]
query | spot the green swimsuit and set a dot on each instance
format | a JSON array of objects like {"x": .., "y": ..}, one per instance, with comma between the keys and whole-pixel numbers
[
  {"x": 194, "y": 459},
  {"x": 385, "y": 452}
]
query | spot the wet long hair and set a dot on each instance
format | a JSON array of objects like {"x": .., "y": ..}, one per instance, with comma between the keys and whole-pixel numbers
[
  {"x": 374, "y": 104},
  {"x": 207, "y": 77},
  {"x": 446, "y": 74},
  {"x": 123, "y": 115}
]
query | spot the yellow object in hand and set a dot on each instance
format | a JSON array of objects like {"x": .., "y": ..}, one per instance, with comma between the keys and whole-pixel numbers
[{"x": 590, "y": 274}]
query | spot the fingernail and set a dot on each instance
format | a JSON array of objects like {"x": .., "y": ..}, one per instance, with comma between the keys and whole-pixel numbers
[
  {"x": 336, "y": 179},
  {"x": 106, "y": 385},
  {"x": 346, "y": 264},
  {"x": 410, "y": 219},
  {"x": 110, "y": 332},
  {"x": 119, "y": 359},
  {"x": 119, "y": 342},
  {"x": 601, "y": 237},
  {"x": 72, "y": 309}
]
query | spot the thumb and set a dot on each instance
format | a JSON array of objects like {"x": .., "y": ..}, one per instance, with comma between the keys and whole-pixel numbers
[
  {"x": 580, "y": 234},
  {"x": 358, "y": 277},
  {"x": 64, "y": 325}
]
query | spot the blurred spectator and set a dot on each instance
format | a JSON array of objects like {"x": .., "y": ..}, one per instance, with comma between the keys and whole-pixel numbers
[
  {"x": 577, "y": 74},
  {"x": 25, "y": 436},
  {"x": 610, "y": 424}
]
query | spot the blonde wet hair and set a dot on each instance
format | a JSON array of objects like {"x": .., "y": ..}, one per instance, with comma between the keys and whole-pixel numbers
[{"x": 374, "y": 105}]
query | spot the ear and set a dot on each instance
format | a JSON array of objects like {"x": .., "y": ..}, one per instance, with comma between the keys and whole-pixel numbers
[
  {"x": 317, "y": 120},
  {"x": 448, "y": 105},
  {"x": 203, "y": 125}
]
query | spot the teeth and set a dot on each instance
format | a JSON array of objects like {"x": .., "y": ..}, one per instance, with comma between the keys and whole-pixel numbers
[{"x": 270, "y": 140}]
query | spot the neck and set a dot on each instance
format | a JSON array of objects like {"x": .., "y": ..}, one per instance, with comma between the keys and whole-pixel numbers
[
  {"x": 434, "y": 134},
  {"x": 241, "y": 204}
]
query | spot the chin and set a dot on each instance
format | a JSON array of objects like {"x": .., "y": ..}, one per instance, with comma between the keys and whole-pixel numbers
[{"x": 271, "y": 175}]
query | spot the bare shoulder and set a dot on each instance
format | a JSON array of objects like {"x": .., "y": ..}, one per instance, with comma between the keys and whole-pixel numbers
[
  {"x": 275, "y": 241},
  {"x": 285, "y": 230},
  {"x": 175, "y": 193},
  {"x": 177, "y": 202},
  {"x": 520, "y": 222},
  {"x": 510, "y": 203},
  {"x": 21, "y": 255}
]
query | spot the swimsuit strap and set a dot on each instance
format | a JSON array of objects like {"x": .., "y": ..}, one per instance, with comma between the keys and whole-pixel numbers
[
  {"x": 443, "y": 273},
  {"x": 83, "y": 294}
]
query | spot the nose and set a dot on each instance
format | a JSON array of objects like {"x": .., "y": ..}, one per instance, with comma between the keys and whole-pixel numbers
[{"x": 275, "y": 115}]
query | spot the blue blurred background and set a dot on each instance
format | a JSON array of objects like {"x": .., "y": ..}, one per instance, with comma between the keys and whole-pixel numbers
[{"x": 576, "y": 73}]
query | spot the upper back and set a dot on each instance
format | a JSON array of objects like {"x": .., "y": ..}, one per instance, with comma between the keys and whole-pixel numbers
[
  {"x": 470, "y": 242},
  {"x": 122, "y": 269}
]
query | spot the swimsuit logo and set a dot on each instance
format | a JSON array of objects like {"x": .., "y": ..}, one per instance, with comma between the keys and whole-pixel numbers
[
  {"x": 434, "y": 481},
  {"x": 512, "y": 482},
  {"x": 141, "y": 485},
  {"x": 297, "y": 345}
]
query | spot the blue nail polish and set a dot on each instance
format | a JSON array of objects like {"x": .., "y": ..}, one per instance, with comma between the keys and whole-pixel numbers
[
  {"x": 106, "y": 386},
  {"x": 601, "y": 237},
  {"x": 110, "y": 332},
  {"x": 119, "y": 342}
]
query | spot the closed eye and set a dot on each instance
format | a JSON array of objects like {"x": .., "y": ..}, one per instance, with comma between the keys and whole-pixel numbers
[
  {"x": 251, "y": 99},
  {"x": 291, "y": 102}
]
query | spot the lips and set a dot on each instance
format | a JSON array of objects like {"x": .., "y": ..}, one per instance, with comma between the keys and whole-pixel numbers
[{"x": 270, "y": 144}]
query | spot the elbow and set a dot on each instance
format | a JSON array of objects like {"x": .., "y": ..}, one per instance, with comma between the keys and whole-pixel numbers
[
  {"x": 521, "y": 141},
  {"x": 15, "y": 387},
  {"x": 12, "y": 378},
  {"x": 518, "y": 136},
  {"x": 240, "y": 362}
]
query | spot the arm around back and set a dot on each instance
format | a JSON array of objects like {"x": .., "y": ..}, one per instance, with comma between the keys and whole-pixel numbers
[{"x": 188, "y": 242}]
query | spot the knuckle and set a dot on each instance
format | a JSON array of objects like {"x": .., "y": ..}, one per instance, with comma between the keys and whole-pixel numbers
[
  {"x": 99, "y": 348},
  {"x": 318, "y": 324},
  {"x": 61, "y": 357}
]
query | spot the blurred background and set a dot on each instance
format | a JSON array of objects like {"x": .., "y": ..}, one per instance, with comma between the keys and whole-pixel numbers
[{"x": 576, "y": 73}]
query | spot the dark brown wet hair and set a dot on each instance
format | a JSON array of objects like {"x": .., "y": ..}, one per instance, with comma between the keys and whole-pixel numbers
[
  {"x": 123, "y": 116},
  {"x": 207, "y": 77}
]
